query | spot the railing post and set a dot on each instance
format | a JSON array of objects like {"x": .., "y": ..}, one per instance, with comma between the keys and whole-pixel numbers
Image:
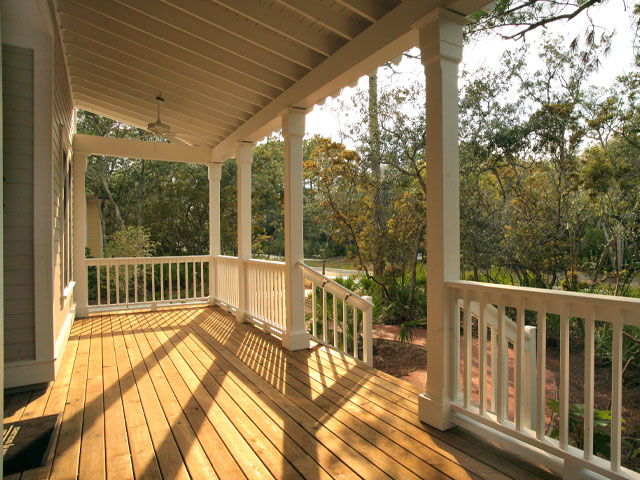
[
  {"x": 215, "y": 174},
  {"x": 244, "y": 158},
  {"x": 81, "y": 288},
  {"x": 367, "y": 333},
  {"x": 295, "y": 336},
  {"x": 530, "y": 360},
  {"x": 440, "y": 40}
]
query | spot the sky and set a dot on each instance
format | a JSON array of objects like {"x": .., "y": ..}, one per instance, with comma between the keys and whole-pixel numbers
[{"x": 614, "y": 16}]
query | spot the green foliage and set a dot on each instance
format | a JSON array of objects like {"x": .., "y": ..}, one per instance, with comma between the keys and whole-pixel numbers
[
  {"x": 130, "y": 242},
  {"x": 601, "y": 427}
]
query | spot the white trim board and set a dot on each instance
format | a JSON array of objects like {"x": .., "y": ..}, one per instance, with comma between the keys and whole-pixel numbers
[{"x": 120, "y": 147}]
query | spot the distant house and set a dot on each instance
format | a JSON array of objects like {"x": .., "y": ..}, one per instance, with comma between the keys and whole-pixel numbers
[{"x": 93, "y": 228}]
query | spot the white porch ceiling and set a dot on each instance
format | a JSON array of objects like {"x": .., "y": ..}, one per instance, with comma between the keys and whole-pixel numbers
[{"x": 227, "y": 69}]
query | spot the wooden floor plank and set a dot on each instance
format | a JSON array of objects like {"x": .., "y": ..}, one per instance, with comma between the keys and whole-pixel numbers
[
  {"x": 204, "y": 388},
  {"x": 189, "y": 392},
  {"x": 271, "y": 416},
  {"x": 399, "y": 459},
  {"x": 118, "y": 455},
  {"x": 143, "y": 456},
  {"x": 355, "y": 393},
  {"x": 164, "y": 444},
  {"x": 55, "y": 397},
  {"x": 15, "y": 405},
  {"x": 338, "y": 443},
  {"x": 92, "y": 451},
  {"x": 330, "y": 396},
  {"x": 67, "y": 456},
  {"x": 171, "y": 433}
]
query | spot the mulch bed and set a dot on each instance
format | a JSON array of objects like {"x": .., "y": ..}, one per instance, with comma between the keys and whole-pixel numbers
[{"x": 397, "y": 359}]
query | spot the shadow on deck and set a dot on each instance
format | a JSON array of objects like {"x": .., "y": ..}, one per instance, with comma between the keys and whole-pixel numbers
[{"x": 189, "y": 392}]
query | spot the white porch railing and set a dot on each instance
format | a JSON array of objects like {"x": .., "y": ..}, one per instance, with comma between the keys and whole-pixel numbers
[
  {"x": 496, "y": 415},
  {"x": 226, "y": 281},
  {"x": 146, "y": 281},
  {"x": 490, "y": 319},
  {"x": 266, "y": 300},
  {"x": 343, "y": 317}
]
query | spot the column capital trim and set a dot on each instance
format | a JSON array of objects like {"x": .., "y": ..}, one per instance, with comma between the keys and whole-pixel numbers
[
  {"x": 440, "y": 36},
  {"x": 439, "y": 14},
  {"x": 244, "y": 153},
  {"x": 215, "y": 171},
  {"x": 293, "y": 122},
  {"x": 80, "y": 160}
]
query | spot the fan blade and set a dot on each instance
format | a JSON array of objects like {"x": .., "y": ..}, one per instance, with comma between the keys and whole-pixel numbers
[{"x": 183, "y": 141}]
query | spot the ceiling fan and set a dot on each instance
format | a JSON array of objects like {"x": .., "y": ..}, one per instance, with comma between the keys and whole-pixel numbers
[{"x": 160, "y": 129}]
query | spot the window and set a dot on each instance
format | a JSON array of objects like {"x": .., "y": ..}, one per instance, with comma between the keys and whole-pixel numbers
[{"x": 66, "y": 266}]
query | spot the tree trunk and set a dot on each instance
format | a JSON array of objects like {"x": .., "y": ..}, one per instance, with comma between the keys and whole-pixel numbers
[
  {"x": 140, "y": 199},
  {"x": 112, "y": 201},
  {"x": 374, "y": 160},
  {"x": 414, "y": 265}
]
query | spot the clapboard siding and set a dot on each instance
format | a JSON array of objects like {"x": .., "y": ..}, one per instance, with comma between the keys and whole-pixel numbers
[
  {"x": 63, "y": 127},
  {"x": 17, "y": 96}
]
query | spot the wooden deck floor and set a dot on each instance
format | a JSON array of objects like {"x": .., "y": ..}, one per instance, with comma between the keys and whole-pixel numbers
[{"x": 191, "y": 393}]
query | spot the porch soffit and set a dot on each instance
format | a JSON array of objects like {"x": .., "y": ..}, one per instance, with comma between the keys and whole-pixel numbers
[{"x": 227, "y": 69}]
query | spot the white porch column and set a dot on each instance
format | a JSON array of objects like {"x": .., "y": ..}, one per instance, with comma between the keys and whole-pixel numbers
[
  {"x": 215, "y": 174},
  {"x": 80, "y": 292},
  {"x": 440, "y": 38},
  {"x": 244, "y": 158},
  {"x": 296, "y": 336}
]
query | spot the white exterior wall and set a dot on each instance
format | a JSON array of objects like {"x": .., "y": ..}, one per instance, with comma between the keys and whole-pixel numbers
[
  {"x": 19, "y": 321},
  {"x": 29, "y": 25}
]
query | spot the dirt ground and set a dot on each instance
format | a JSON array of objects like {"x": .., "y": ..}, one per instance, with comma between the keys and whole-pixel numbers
[{"x": 409, "y": 362}]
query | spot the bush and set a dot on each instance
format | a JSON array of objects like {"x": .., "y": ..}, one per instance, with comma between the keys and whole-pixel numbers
[{"x": 130, "y": 242}]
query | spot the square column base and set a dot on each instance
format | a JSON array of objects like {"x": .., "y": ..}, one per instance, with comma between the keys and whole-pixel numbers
[
  {"x": 241, "y": 317},
  {"x": 298, "y": 340},
  {"x": 434, "y": 412},
  {"x": 82, "y": 311}
]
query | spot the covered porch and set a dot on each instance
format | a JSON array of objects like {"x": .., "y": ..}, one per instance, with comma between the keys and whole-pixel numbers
[
  {"x": 165, "y": 391},
  {"x": 191, "y": 393}
]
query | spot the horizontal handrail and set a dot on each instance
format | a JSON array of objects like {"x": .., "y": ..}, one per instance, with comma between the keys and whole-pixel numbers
[
  {"x": 579, "y": 303},
  {"x": 342, "y": 333},
  {"x": 118, "y": 282},
  {"x": 334, "y": 288},
  {"x": 92, "y": 262},
  {"x": 530, "y": 403}
]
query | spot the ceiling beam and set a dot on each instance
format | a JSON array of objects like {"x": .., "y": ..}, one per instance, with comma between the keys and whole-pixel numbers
[
  {"x": 208, "y": 57},
  {"x": 346, "y": 27},
  {"x": 123, "y": 51},
  {"x": 213, "y": 14},
  {"x": 106, "y": 110},
  {"x": 147, "y": 150},
  {"x": 372, "y": 10},
  {"x": 145, "y": 114},
  {"x": 197, "y": 111},
  {"x": 103, "y": 109},
  {"x": 169, "y": 110},
  {"x": 284, "y": 25},
  {"x": 158, "y": 76},
  {"x": 387, "y": 38},
  {"x": 151, "y": 86},
  {"x": 186, "y": 31}
]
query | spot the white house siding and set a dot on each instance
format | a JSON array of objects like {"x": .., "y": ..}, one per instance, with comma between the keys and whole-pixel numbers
[
  {"x": 63, "y": 127},
  {"x": 17, "y": 98}
]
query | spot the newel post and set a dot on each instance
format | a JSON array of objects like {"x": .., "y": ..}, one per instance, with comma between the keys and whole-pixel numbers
[
  {"x": 440, "y": 39},
  {"x": 215, "y": 174},
  {"x": 80, "y": 290},
  {"x": 293, "y": 124},
  {"x": 244, "y": 159}
]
